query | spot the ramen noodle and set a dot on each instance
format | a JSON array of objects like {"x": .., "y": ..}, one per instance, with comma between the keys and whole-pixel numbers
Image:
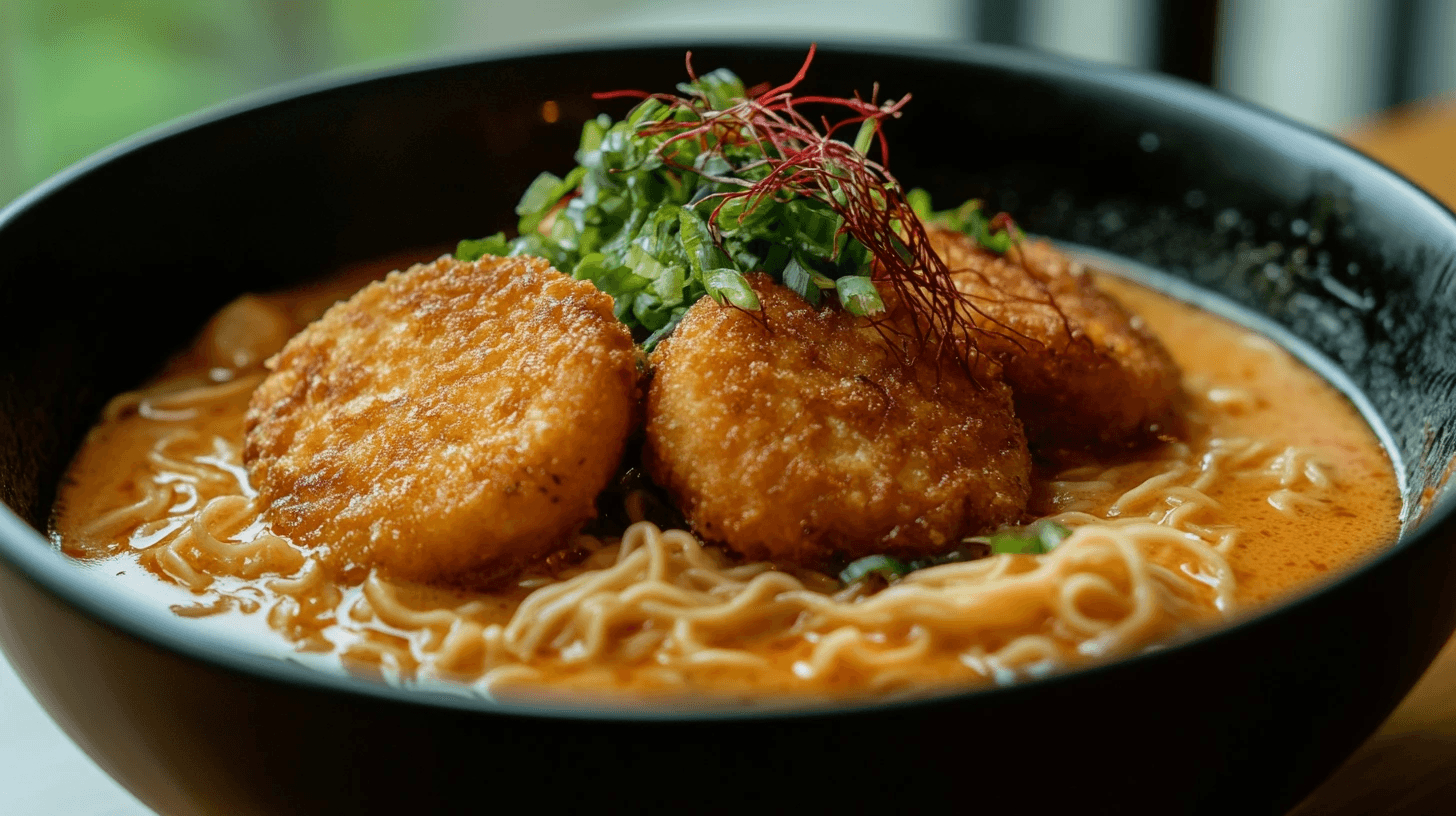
[{"x": 1275, "y": 481}]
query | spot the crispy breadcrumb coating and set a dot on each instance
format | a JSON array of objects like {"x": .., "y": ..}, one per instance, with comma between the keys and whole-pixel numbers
[
  {"x": 802, "y": 435},
  {"x": 1085, "y": 371},
  {"x": 447, "y": 423}
]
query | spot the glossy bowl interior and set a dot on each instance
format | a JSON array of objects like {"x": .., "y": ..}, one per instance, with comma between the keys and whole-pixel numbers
[{"x": 1324, "y": 242}]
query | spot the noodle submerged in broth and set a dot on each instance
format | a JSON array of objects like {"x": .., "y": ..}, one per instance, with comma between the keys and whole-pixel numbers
[
  {"x": 856, "y": 404},
  {"x": 1274, "y": 481}
]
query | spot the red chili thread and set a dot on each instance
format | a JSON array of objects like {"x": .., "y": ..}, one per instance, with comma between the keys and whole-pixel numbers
[{"x": 803, "y": 160}]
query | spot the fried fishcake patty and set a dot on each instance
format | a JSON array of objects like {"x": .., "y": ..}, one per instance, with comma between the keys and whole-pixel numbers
[
  {"x": 446, "y": 423},
  {"x": 1091, "y": 377},
  {"x": 801, "y": 435}
]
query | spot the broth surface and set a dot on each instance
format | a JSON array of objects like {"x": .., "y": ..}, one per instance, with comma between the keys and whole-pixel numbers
[
  {"x": 1276, "y": 483},
  {"x": 1247, "y": 386}
]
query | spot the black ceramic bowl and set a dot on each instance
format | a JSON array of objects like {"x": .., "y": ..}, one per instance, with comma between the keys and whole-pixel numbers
[{"x": 1340, "y": 251}]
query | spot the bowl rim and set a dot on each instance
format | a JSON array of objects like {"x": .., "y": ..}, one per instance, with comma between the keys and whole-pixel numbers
[{"x": 38, "y": 561}]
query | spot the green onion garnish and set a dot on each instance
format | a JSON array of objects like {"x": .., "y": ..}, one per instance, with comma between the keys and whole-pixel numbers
[
  {"x": 474, "y": 250},
  {"x": 998, "y": 233},
  {"x": 882, "y": 565},
  {"x": 858, "y": 295},
  {"x": 1036, "y": 539},
  {"x": 690, "y": 193}
]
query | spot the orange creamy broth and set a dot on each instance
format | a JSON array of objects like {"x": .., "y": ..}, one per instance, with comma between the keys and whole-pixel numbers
[
  {"x": 1276, "y": 553},
  {"x": 1241, "y": 387}
]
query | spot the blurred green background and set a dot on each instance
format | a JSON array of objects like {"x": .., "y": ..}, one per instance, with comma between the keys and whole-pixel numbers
[{"x": 77, "y": 75}]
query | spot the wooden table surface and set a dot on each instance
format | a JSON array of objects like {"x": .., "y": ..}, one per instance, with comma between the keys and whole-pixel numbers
[{"x": 1409, "y": 766}]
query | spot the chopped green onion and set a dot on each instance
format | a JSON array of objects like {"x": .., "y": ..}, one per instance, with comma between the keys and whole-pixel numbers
[
  {"x": 919, "y": 201},
  {"x": 474, "y": 250},
  {"x": 1036, "y": 539},
  {"x": 858, "y": 294},
  {"x": 711, "y": 164},
  {"x": 614, "y": 280},
  {"x": 542, "y": 193},
  {"x": 669, "y": 284},
  {"x": 622, "y": 305},
  {"x": 821, "y": 281},
  {"x": 968, "y": 220},
  {"x": 591, "y": 136},
  {"x": 742, "y": 258},
  {"x": 881, "y": 565},
  {"x": 645, "y": 219},
  {"x": 650, "y": 311},
  {"x": 866, "y": 136},
  {"x": 565, "y": 233},
  {"x": 728, "y": 284},
  {"x": 730, "y": 217},
  {"x": 776, "y": 260},
  {"x": 650, "y": 110},
  {"x": 698, "y": 241},
  {"x": 997, "y": 243},
  {"x": 721, "y": 88},
  {"x": 854, "y": 257},
  {"x": 816, "y": 228},
  {"x": 642, "y": 262},
  {"x": 801, "y": 280}
]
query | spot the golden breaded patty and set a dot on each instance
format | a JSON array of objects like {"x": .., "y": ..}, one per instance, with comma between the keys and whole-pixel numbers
[
  {"x": 801, "y": 435},
  {"x": 1093, "y": 377},
  {"x": 446, "y": 423}
]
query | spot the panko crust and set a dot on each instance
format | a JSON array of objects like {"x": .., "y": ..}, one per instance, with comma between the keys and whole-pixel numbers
[
  {"x": 1094, "y": 378},
  {"x": 801, "y": 435},
  {"x": 447, "y": 423}
]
